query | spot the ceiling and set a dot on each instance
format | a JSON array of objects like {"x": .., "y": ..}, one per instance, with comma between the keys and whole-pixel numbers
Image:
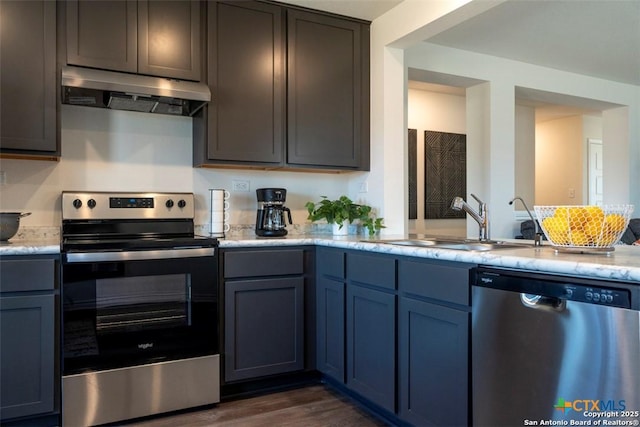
[
  {"x": 362, "y": 9},
  {"x": 598, "y": 38}
]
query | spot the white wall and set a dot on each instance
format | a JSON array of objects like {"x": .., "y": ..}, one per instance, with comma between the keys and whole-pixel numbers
[
  {"x": 525, "y": 140},
  {"x": 104, "y": 150},
  {"x": 442, "y": 113},
  {"x": 562, "y": 159},
  {"x": 621, "y": 135},
  {"x": 560, "y": 162}
]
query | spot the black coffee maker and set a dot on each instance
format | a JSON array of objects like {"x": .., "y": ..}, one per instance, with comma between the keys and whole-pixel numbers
[{"x": 270, "y": 218}]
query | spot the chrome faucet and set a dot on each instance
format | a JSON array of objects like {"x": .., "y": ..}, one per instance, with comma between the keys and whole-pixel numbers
[
  {"x": 481, "y": 217},
  {"x": 537, "y": 239}
]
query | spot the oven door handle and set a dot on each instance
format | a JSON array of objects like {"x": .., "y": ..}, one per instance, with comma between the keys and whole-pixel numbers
[{"x": 138, "y": 255}]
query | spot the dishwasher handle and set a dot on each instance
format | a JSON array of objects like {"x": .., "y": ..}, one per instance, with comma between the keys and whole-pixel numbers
[{"x": 539, "y": 302}]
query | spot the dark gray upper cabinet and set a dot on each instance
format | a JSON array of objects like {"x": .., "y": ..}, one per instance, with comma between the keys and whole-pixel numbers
[
  {"x": 290, "y": 89},
  {"x": 169, "y": 39},
  {"x": 246, "y": 76},
  {"x": 159, "y": 38},
  {"x": 28, "y": 82},
  {"x": 103, "y": 34},
  {"x": 28, "y": 383},
  {"x": 325, "y": 75}
]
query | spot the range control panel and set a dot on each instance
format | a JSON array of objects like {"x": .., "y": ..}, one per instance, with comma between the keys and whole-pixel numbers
[{"x": 106, "y": 205}]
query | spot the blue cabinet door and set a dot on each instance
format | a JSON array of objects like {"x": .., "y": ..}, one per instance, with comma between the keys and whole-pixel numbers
[
  {"x": 371, "y": 344},
  {"x": 330, "y": 324},
  {"x": 434, "y": 363},
  {"x": 264, "y": 327},
  {"x": 26, "y": 355}
]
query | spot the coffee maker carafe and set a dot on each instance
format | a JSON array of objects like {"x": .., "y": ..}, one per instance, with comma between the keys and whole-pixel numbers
[{"x": 270, "y": 218}]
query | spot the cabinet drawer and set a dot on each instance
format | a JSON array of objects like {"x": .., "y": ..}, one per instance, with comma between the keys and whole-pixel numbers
[
  {"x": 330, "y": 262},
  {"x": 254, "y": 263},
  {"x": 17, "y": 275},
  {"x": 372, "y": 270},
  {"x": 448, "y": 283}
]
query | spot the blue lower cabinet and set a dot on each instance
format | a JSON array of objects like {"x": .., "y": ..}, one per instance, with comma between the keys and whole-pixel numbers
[
  {"x": 371, "y": 341},
  {"x": 26, "y": 355},
  {"x": 330, "y": 328},
  {"x": 433, "y": 348},
  {"x": 264, "y": 327}
]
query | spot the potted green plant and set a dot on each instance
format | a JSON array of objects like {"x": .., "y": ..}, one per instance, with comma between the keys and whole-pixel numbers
[{"x": 341, "y": 211}]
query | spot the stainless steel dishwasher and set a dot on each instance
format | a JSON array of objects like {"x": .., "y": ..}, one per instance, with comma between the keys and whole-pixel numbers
[{"x": 554, "y": 348}]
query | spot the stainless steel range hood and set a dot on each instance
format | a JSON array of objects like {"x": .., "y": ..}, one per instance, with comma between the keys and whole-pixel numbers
[{"x": 132, "y": 92}]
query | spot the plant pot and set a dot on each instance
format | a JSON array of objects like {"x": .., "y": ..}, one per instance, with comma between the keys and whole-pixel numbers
[{"x": 337, "y": 231}]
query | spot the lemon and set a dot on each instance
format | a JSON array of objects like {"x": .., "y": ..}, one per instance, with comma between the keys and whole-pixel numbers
[
  {"x": 593, "y": 229},
  {"x": 614, "y": 223},
  {"x": 557, "y": 229},
  {"x": 577, "y": 217},
  {"x": 579, "y": 238},
  {"x": 607, "y": 239},
  {"x": 594, "y": 213},
  {"x": 561, "y": 212}
]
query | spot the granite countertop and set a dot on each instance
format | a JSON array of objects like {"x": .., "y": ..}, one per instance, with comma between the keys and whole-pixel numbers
[
  {"x": 621, "y": 264},
  {"x": 31, "y": 246}
]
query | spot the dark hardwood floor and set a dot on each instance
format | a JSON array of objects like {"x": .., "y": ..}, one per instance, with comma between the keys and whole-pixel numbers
[{"x": 311, "y": 406}]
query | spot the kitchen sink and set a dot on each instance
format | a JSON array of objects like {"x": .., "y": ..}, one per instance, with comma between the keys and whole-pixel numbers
[{"x": 460, "y": 245}]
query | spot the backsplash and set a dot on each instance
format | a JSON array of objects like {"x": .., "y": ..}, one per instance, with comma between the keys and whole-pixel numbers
[
  {"x": 30, "y": 233},
  {"x": 105, "y": 150}
]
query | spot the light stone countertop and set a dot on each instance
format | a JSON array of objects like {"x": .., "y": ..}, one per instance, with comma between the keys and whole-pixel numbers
[{"x": 621, "y": 264}]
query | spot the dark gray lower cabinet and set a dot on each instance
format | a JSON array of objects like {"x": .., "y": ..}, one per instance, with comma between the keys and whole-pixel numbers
[
  {"x": 28, "y": 382},
  {"x": 330, "y": 327},
  {"x": 434, "y": 364},
  {"x": 265, "y": 327},
  {"x": 26, "y": 355},
  {"x": 264, "y": 312},
  {"x": 433, "y": 342},
  {"x": 371, "y": 339},
  {"x": 396, "y": 330}
]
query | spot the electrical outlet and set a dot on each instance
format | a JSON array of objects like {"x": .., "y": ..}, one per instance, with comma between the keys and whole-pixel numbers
[
  {"x": 3, "y": 178},
  {"x": 364, "y": 187},
  {"x": 572, "y": 193},
  {"x": 240, "y": 186}
]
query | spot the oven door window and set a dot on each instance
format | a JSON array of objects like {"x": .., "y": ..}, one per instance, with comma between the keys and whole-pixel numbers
[
  {"x": 142, "y": 303},
  {"x": 129, "y": 313}
]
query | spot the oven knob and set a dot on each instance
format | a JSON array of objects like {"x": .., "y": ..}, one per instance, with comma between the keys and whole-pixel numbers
[
  {"x": 77, "y": 203},
  {"x": 182, "y": 204},
  {"x": 91, "y": 203},
  {"x": 169, "y": 203}
]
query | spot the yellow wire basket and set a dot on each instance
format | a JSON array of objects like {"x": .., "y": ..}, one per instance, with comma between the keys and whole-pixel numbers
[{"x": 584, "y": 227}]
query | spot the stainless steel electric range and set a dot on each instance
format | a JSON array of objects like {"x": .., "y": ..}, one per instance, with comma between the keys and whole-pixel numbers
[{"x": 139, "y": 307}]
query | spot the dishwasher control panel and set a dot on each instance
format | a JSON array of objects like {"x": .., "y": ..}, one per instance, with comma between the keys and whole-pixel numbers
[
  {"x": 563, "y": 288},
  {"x": 597, "y": 295}
]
